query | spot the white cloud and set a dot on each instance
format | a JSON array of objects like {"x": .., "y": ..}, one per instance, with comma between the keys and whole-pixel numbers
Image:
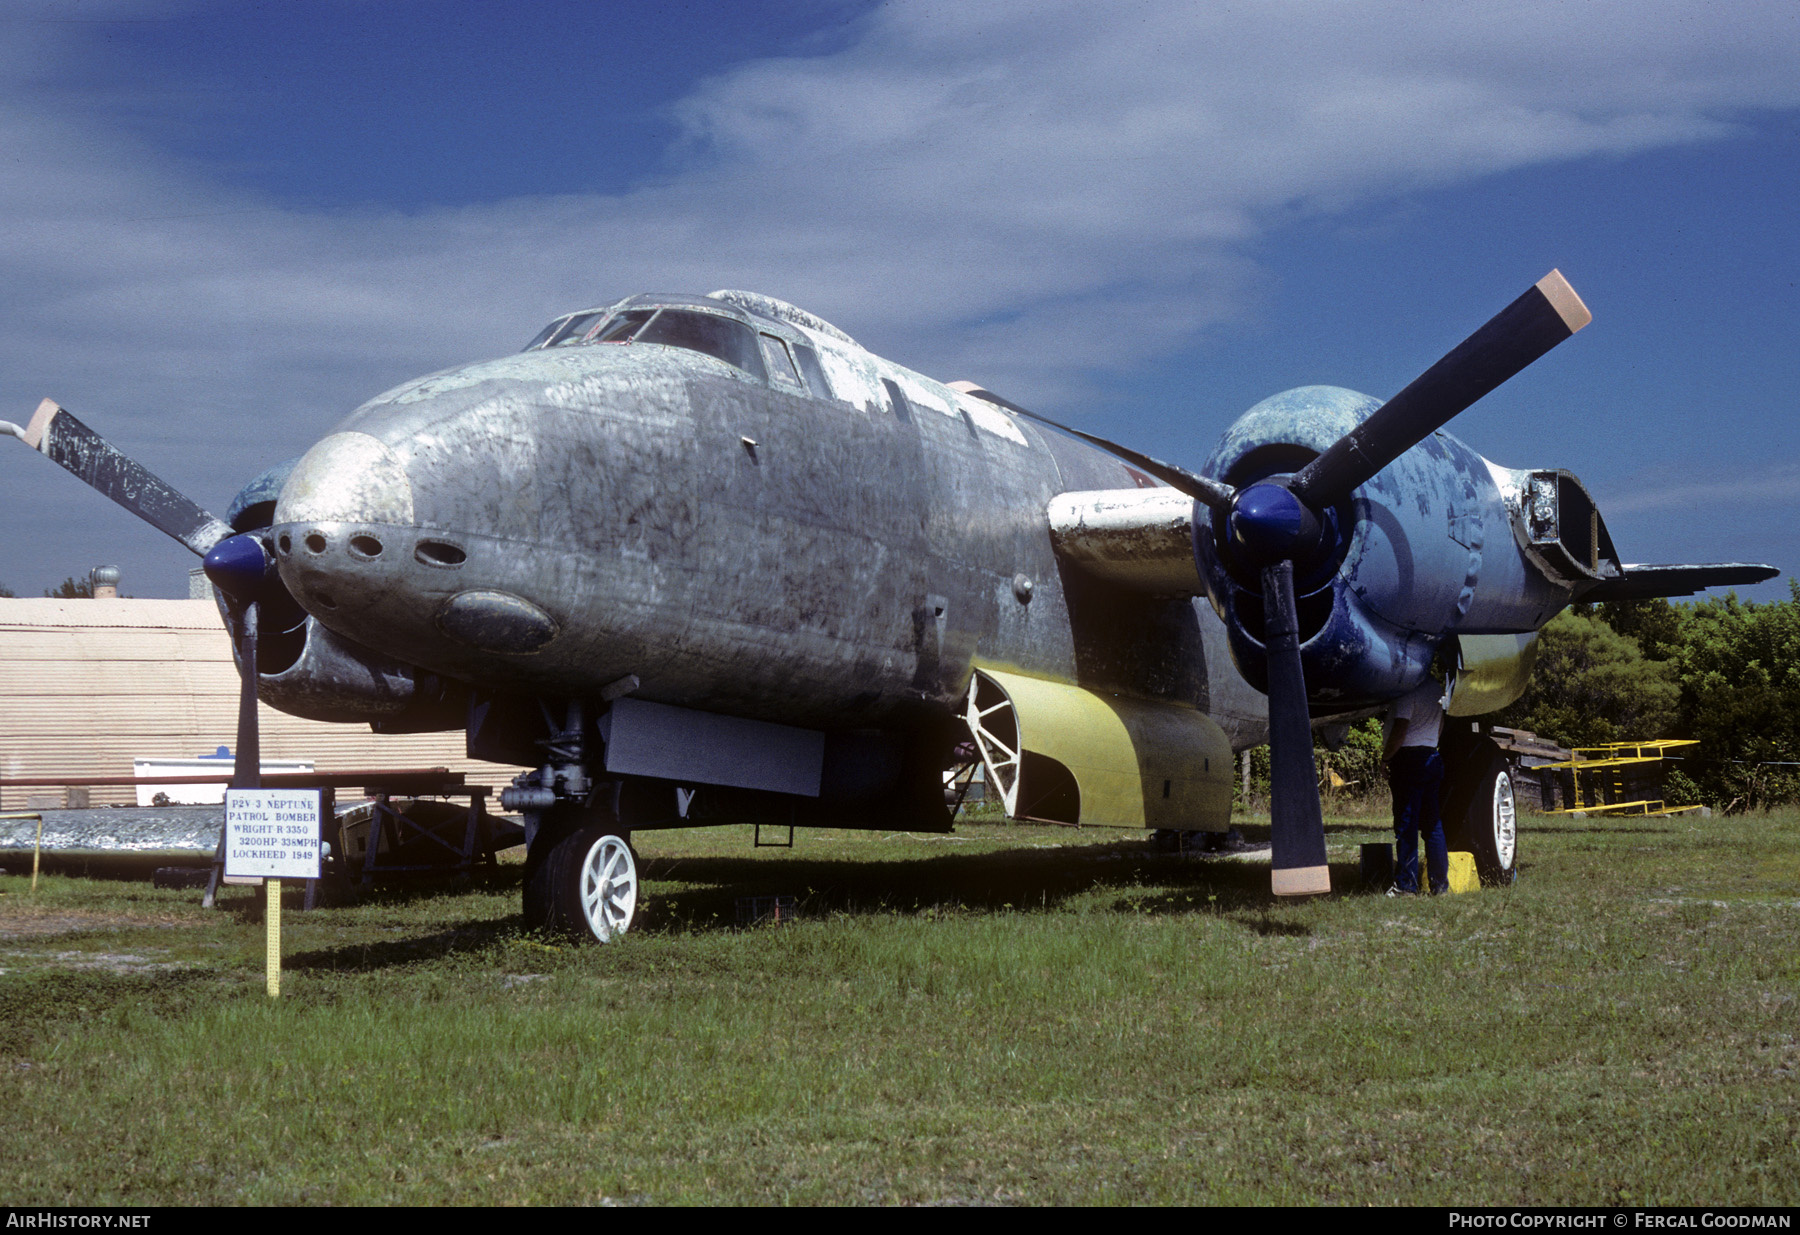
[
  {"x": 1010, "y": 191},
  {"x": 1661, "y": 490}
]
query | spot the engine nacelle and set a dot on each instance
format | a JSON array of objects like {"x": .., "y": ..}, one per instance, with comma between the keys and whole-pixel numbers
[
  {"x": 1439, "y": 543},
  {"x": 333, "y": 679}
]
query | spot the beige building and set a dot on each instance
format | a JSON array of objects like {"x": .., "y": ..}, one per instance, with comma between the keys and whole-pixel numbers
[{"x": 87, "y": 686}]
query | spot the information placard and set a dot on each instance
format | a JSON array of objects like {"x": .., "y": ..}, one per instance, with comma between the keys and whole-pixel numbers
[{"x": 272, "y": 833}]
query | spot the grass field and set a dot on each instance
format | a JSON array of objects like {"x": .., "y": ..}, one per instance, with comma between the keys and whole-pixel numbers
[{"x": 1011, "y": 1014}]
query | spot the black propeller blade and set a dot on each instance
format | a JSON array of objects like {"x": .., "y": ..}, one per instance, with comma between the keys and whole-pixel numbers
[
  {"x": 55, "y": 432},
  {"x": 1296, "y": 822},
  {"x": 1524, "y": 330},
  {"x": 1274, "y": 523},
  {"x": 244, "y": 572},
  {"x": 238, "y": 565}
]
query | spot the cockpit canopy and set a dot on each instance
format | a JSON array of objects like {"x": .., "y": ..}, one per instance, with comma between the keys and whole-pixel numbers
[{"x": 700, "y": 325}]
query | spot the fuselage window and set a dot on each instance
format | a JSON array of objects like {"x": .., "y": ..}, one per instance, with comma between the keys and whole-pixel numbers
[
  {"x": 721, "y": 337},
  {"x": 896, "y": 396},
  {"x": 815, "y": 374},
  {"x": 781, "y": 365}
]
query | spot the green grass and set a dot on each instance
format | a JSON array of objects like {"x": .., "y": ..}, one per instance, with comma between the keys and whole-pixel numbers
[{"x": 1011, "y": 1013}]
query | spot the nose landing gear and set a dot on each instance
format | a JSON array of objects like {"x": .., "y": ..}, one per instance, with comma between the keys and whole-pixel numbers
[{"x": 581, "y": 876}]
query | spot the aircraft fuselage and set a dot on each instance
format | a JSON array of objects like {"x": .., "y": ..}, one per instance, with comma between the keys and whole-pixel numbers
[{"x": 555, "y": 521}]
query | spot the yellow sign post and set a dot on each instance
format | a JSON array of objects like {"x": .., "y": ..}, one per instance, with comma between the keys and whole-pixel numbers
[
  {"x": 271, "y": 835},
  {"x": 273, "y": 961}
]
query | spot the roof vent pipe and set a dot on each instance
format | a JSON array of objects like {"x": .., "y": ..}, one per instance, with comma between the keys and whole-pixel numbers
[{"x": 106, "y": 582}]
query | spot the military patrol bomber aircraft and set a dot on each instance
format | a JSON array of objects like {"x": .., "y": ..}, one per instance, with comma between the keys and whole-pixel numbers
[{"x": 692, "y": 559}]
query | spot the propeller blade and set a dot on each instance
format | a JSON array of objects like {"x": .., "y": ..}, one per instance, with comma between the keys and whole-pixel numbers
[
  {"x": 1544, "y": 316},
  {"x": 246, "y": 768},
  {"x": 241, "y": 568},
  {"x": 1296, "y": 824},
  {"x": 66, "y": 441},
  {"x": 1200, "y": 488}
]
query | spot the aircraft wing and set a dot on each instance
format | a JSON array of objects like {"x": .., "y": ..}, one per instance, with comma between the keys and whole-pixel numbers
[{"x": 1644, "y": 582}]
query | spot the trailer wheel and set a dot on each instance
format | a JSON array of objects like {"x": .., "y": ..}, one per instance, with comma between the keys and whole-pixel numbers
[{"x": 1485, "y": 821}]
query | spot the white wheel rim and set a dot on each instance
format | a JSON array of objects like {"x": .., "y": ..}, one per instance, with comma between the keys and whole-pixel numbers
[
  {"x": 608, "y": 887},
  {"x": 1506, "y": 821}
]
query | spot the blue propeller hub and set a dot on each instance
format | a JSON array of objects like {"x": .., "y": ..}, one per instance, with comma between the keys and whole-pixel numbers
[
  {"x": 1269, "y": 524},
  {"x": 239, "y": 566}
]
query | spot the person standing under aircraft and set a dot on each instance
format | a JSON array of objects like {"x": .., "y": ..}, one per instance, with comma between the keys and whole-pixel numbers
[{"x": 1416, "y": 777}]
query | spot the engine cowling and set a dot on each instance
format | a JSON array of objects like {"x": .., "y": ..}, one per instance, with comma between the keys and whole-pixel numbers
[{"x": 1436, "y": 544}]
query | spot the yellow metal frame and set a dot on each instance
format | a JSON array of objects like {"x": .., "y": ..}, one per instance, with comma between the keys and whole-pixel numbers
[{"x": 1605, "y": 761}]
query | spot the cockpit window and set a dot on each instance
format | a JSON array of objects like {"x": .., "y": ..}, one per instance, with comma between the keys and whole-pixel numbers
[
  {"x": 544, "y": 335},
  {"x": 721, "y": 337},
  {"x": 574, "y": 329},
  {"x": 621, "y": 328}
]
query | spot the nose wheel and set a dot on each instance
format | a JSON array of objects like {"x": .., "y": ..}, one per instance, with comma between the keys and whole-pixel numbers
[
  {"x": 585, "y": 885},
  {"x": 606, "y": 880}
]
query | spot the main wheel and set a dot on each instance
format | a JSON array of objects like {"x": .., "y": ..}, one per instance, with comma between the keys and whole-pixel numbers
[
  {"x": 1484, "y": 819},
  {"x": 593, "y": 883}
]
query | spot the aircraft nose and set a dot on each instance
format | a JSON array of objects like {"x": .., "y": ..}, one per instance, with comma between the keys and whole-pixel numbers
[
  {"x": 347, "y": 478},
  {"x": 334, "y": 520}
]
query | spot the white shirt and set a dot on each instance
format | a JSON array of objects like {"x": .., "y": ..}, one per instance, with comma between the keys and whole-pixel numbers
[{"x": 1423, "y": 712}]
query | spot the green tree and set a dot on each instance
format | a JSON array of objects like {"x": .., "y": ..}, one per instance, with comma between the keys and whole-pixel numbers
[
  {"x": 1593, "y": 685},
  {"x": 1658, "y": 626},
  {"x": 1739, "y": 665},
  {"x": 71, "y": 588},
  {"x": 5, "y": 591}
]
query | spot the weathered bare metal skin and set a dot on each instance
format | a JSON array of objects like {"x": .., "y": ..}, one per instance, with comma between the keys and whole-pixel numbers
[
  {"x": 1136, "y": 538},
  {"x": 335, "y": 680},
  {"x": 343, "y": 474},
  {"x": 735, "y": 547}
]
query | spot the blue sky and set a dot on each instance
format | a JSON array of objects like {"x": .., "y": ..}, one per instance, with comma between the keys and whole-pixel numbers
[{"x": 228, "y": 224}]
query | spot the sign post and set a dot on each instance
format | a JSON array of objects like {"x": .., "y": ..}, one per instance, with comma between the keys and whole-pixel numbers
[{"x": 271, "y": 835}]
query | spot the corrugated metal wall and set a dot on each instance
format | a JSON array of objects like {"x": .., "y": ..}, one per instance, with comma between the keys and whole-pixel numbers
[{"x": 86, "y": 686}]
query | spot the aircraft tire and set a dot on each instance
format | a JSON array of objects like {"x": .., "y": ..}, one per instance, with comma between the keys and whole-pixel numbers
[
  {"x": 592, "y": 880},
  {"x": 537, "y": 906},
  {"x": 1483, "y": 817}
]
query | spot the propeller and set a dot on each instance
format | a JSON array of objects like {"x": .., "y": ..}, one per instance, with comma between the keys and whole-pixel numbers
[
  {"x": 1279, "y": 522},
  {"x": 239, "y": 564}
]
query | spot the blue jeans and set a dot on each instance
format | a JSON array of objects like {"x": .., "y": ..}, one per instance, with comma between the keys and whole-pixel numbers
[{"x": 1416, "y": 776}]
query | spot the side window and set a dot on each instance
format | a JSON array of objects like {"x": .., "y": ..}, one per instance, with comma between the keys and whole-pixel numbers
[
  {"x": 815, "y": 373},
  {"x": 781, "y": 365},
  {"x": 896, "y": 396}
]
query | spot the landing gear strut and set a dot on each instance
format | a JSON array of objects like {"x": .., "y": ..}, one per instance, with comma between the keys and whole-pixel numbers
[{"x": 581, "y": 876}]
